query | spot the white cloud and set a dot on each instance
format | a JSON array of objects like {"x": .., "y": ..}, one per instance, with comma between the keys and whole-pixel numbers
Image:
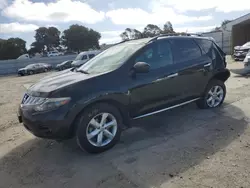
[
  {"x": 3, "y": 3},
  {"x": 158, "y": 15},
  {"x": 196, "y": 5},
  {"x": 16, "y": 27},
  {"x": 194, "y": 29},
  {"x": 58, "y": 11},
  {"x": 110, "y": 40},
  {"x": 112, "y": 33},
  {"x": 110, "y": 37}
]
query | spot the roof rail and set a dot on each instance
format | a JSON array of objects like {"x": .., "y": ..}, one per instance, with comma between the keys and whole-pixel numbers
[{"x": 175, "y": 34}]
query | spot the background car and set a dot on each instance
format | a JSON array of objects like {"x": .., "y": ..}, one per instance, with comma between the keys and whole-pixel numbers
[
  {"x": 240, "y": 52},
  {"x": 47, "y": 66},
  {"x": 64, "y": 65},
  {"x": 53, "y": 54},
  {"x": 83, "y": 57},
  {"x": 24, "y": 56},
  {"x": 32, "y": 69}
]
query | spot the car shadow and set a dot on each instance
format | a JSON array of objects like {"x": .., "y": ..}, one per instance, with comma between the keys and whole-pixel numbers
[
  {"x": 151, "y": 153},
  {"x": 241, "y": 72}
]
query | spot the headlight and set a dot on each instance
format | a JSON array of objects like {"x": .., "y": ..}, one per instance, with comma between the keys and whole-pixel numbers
[{"x": 51, "y": 104}]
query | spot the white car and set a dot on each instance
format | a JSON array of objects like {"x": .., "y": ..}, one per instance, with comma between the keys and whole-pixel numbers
[
  {"x": 53, "y": 54},
  {"x": 247, "y": 59},
  {"x": 83, "y": 57},
  {"x": 24, "y": 56}
]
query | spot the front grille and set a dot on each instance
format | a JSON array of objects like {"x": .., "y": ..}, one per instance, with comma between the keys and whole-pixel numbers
[
  {"x": 30, "y": 100},
  {"x": 241, "y": 51}
]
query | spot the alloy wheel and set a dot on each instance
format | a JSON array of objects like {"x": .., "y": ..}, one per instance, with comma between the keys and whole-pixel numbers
[
  {"x": 215, "y": 96},
  {"x": 101, "y": 129}
]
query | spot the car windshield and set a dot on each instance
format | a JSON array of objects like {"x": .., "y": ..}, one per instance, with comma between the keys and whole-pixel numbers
[
  {"x": 246, "y": 44},
  {"x": 79, "y": 57},
  {"x": 29, "y": 66},
  {"x": 111, "y": 58}
]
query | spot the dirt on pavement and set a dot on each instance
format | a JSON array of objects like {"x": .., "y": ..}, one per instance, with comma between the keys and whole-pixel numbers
[{"x": 184, "y": 147}]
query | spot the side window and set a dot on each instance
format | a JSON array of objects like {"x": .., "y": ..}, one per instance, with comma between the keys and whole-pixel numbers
[
  {"x": 91, "y": 56},
  {"x": 84, "y": 57},
  {"x": 217, "y": 53},
  {"x": 147, "y": 55},
  {"x": 164, "y": 53},
  {"x": 185, "y": 49},
  {"x": 156, "y": 55},
  {"x": 206, "y": 45}
]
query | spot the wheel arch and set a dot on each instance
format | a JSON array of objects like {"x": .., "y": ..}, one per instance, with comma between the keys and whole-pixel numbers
[
  {"x": 121, "y": 108},
  {"x": 222, "y": 76}
]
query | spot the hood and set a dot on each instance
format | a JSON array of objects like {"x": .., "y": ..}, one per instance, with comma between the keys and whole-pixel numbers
[
  {"x": 241, "y": 48},
  {"x": 22, "y": 69},
  {"x": 57, "y": 81},
  {"x": 77, "y": 62}
]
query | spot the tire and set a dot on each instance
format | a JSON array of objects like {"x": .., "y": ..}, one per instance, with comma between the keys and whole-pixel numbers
[
  {"x": 45, "y": 70},
  {"x": 84, "y": 127},
  {"x": 31, "y": 72},
  {"x": 205, "y": 102}
]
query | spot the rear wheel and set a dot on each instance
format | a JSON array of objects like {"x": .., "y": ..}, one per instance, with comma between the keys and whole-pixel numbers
[
  {"x": 45, "y": 70},
  {"x": 99, "y": 128},
  {"x": 214, "y": 95}
]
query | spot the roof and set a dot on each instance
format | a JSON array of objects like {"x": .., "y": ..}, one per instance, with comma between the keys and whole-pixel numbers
[
  {"x": 89, "y": 52},
  {"x": 159, "y": 37}
]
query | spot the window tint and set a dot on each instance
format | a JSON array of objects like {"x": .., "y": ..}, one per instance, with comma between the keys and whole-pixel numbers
[
  {"x": 84, "y": 57},
  {"x": 217, "y": 53},
  {"x": 91, "y": 56},
  {"x": 185, "y": 49},
  {"x": 69, "y": 63},
  {"x": 156, "y": 55},
  {"x": 206, "y": 45},
  {"x": 164, "y": 52}
]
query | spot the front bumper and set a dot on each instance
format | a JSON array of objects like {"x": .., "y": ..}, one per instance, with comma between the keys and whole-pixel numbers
[
  {"x": 240, "y": 57},
  {"x": 53, "y": 124}
]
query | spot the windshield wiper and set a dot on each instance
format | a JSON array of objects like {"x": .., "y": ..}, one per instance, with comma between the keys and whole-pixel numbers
[{"x": 81, "y": 71}]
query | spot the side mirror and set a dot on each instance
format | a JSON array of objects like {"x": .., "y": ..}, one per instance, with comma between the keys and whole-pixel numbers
[{"x": 141, "y": 67}]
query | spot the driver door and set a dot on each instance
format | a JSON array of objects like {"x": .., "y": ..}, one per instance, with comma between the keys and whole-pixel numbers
[{"x": 151, "y": 91}]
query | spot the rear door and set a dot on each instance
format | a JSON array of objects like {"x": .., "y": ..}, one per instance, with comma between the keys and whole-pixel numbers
[{"x": 192, "y": 65}]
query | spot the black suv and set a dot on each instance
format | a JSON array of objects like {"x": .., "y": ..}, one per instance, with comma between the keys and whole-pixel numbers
[{"x": 130, "y": 80}]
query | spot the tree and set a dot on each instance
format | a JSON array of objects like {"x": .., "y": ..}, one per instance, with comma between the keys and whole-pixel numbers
[
  {"x": 223, "y": 23},
  {"x": 151, "y": 30},
  {"x": 46, "y": 38},
  {"x": 130, "y": 34},
  {"x": 168, "y": 28},
  {"x": 53, "y": 37},
  {"x": 12, "y": 48},
  {"x": 78, "y": 38}
]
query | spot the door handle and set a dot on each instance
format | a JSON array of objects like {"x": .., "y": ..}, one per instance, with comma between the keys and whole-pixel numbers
[
  {"x": 172, "y": 75},
  {"x": 208, "y": 65}
]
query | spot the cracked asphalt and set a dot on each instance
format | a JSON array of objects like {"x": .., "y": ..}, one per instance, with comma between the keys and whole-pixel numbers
[{"x": 185, "y": 147}]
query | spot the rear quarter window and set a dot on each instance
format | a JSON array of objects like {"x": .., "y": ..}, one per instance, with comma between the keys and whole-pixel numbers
[
  {"x": 206, "y": 45},
  {"x": 185, "y": 50}
]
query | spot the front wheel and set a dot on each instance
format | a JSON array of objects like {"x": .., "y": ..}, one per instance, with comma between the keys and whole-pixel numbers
[
  {"x": 99, "y": 128},
  {"x": 30, "y": 72},
  {"x": 214, "y": 95}
]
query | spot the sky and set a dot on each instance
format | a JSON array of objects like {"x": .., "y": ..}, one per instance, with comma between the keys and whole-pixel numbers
[{"x": 20, "y": 18}]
